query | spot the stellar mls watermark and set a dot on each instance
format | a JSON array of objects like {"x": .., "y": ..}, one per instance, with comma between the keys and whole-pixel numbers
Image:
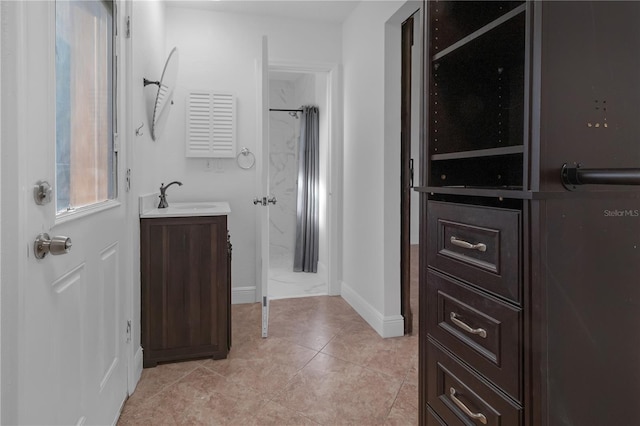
[{"x": 622, "y": 213}]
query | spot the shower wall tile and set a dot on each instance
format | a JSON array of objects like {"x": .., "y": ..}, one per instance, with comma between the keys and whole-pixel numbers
[{"x": 283, "y": 141}]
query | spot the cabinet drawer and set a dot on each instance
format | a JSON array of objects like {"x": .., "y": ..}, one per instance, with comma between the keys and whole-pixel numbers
[
  {"x": 480, "y": 245},
  {"x": 482, "y": 330},
  {"x": 433, "y": 419},
  {"x": 457, "y": 393}
]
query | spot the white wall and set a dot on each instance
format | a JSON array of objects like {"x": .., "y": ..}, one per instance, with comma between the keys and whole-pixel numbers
[
  {"x": 371, "y": 221},
  {"x": 218, "y": 51}
]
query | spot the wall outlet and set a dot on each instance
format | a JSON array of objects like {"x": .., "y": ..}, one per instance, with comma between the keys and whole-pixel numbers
[{"x": 214, "y": 165}]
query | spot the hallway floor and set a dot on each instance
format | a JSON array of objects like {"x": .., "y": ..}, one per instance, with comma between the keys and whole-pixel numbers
[{"x": 321, "y": 365}]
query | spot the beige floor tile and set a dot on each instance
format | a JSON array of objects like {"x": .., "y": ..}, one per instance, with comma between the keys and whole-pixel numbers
[
  {"x": 357, "y": 378},
  {"x": 201, "y": 398},
  {"x": 154, "y": 380},
  {"x": 405, "y": 407},
  {"x": 276, "y": 350},
  {"x": 307, "y": 333},
  {"x": 261, "y": 375},
  {"x": 274, "y": 414},
  {"x": 363, "y": 346},
  {"x": 332, "y": 391},
  {"x": 412, "y": 374}
]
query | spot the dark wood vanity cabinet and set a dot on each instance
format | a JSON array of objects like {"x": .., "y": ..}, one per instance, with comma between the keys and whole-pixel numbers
[
  {"x": 530, "y": 281},
  {"x": 186, "y": 288}
]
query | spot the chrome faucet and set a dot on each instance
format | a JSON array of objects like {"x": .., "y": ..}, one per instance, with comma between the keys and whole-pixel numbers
[{"x": 163, "y": 194}]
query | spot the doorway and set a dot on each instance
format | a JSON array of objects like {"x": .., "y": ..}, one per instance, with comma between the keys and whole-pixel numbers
[
  {"x": 409, "y": 157},
  {"x": 326, "y": 88},
  {"x": 288, "y": 92}
]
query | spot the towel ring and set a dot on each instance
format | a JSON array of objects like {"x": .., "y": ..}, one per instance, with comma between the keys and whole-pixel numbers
[{"x": 245, "y": 159}]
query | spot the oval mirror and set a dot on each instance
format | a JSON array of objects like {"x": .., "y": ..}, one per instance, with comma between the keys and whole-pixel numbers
[{"x": 166, "y": 85}]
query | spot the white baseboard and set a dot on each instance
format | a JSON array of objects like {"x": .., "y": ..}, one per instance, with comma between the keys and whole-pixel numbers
[
  {"x": 243, "y": 295},
  {"x": 390, "y": 326}
]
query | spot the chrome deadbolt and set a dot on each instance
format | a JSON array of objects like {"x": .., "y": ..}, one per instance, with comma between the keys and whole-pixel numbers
[
  {"x": 55, "y": 246},
  {"x": 42, "y": 192}
]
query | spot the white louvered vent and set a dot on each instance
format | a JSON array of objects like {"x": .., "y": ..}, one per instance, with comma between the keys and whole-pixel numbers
[{"x": 211, "y": 124}]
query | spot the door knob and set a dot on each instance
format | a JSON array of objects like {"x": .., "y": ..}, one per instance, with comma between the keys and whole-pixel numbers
[{"x": 55, "y": 246}]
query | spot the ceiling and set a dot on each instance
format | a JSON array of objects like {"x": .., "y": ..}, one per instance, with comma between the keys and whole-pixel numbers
[{"x": 329, "y": 11}]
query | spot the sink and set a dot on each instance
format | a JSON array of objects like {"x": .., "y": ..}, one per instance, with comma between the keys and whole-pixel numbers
[
  {"x": 149, "y": 209},
  {"x": 194, "y": 206}
]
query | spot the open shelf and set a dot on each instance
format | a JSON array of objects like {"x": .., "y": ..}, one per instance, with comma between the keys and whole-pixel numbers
[
  {"x": 495, "y": 171},
  {"x": 439, "y": 53},
  {"x": 490, "y": 152},
  {"x": 512, "y": 193},
  {"x": 476, "y": 96},
  {"x": 452, "y": 21},
  {"x": 477, "y": 93}
]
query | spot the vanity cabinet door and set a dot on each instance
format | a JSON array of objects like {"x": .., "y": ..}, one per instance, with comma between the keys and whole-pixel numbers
[{"x": 185, "y": 288}]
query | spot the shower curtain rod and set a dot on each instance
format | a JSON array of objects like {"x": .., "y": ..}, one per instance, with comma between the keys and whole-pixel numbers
[{"x": 286, "y": 110}]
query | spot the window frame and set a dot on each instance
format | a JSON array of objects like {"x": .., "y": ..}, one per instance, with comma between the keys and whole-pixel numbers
[{"x": 71, "y": 213}]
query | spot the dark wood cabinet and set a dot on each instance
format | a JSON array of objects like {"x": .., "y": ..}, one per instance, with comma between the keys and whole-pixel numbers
[
  {"x": 530, "y": 281},
  {"x": 186, "y": 294}
]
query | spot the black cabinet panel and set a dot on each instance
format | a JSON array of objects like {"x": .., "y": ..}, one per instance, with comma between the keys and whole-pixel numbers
[
  {"x": 593, "y": 305},
  {"x": 590, "y": 91}
]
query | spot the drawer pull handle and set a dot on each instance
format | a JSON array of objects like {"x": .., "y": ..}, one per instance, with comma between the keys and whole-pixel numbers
[
  {"x": 467, "y": 245},
  {"x": 479, "y": 331},
  {"x": 465, "y": 409}
]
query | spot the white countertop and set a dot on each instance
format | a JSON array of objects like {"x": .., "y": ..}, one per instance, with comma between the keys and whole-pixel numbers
[{"x": 148, "y": 208}]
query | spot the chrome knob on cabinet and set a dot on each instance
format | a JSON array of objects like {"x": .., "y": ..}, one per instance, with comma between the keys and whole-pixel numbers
[{"x": 56, "y": 245}]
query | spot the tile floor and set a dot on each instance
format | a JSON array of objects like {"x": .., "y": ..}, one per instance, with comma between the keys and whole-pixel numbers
[{"x": 321, "y": 365}]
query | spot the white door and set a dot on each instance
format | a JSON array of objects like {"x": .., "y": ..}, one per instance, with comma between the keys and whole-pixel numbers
[
  {"x": 262, "y": 199},
  {"x": 72, "y": 318}
]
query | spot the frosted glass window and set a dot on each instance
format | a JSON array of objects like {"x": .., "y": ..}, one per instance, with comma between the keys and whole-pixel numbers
[{"x": 85, "y": 156}]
